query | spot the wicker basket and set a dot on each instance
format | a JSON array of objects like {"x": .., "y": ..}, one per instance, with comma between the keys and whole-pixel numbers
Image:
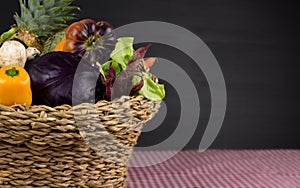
[{"x": 87, "y": 145}]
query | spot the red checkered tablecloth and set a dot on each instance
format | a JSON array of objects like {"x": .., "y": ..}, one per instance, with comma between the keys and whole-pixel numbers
[{"x": 215, "y": 169}]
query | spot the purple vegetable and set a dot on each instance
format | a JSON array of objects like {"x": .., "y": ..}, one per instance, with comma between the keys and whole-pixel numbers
[
  {"x": 139, "y": 53},
  {"x": 110, "y": 79},
  {"x": 137, "y": 87},
  {"x": 63, "y": 78},
  {"x": 117, "y": 86}
]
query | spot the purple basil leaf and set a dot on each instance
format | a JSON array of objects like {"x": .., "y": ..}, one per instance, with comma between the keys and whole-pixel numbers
[
  {"x": 110, "y": 79},
  {"x": 137, "y": 87},
  {"x": 130, "y": 61},
  {"x": 133, "y": 66},
  {"x": 121, "y": 85},
  {"x": 140, "y": 52}
]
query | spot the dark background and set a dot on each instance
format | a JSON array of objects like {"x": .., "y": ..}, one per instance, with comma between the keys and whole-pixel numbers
[{"x": 256, "y": 45}]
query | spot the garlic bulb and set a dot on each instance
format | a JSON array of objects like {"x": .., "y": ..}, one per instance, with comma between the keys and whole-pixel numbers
[{"x": 14, "y": 53}]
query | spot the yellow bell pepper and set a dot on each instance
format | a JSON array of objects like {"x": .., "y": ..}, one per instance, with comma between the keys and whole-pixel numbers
[{"x": 15, "y": 86}]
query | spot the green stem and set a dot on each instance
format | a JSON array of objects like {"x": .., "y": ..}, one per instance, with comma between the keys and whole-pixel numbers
[
  {"x": 12, "y": 72},
  {"x": 8, "y": 34}
]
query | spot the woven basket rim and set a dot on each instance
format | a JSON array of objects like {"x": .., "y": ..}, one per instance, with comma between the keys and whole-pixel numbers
[{"x": 9, "y": 108}]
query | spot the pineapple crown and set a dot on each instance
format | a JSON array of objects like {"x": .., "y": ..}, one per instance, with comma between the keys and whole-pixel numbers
[{"x": 45, "y": 17}]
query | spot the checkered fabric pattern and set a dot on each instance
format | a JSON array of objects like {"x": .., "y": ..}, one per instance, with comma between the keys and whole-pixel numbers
[{"x": 216, "y": 169}]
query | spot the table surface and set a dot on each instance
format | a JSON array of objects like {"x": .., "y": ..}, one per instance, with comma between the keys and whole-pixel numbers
[{"x": 215, "y": 169}]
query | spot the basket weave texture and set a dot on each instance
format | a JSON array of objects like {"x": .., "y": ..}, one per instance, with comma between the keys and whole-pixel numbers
[{"x": 87, "y": 145}]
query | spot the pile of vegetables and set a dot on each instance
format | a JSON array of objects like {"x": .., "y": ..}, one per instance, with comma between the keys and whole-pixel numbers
[{"x": 86, "y": 62}]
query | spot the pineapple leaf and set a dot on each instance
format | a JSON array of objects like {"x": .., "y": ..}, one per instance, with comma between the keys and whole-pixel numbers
[
  {"x": 45, "y": 17},
  {"x": 68, "y": 9},
  {"x": 65, "y": 2},
  {"x": 25, "y": 12},
  {"x": 54, "y": 10},
  {"x": 63, "y": 19},
  {"x": 34, "y": 24},
  {"x": 62, "y": 25},
  {"x": 18, "y": 20},
  {"x": 61, "y": 10},
  {"x": 48, "y": 3},
  {"x": 33, "y": 5},
  {"x": 40, "y": 11},
  {"x": 46, "y": 28}
]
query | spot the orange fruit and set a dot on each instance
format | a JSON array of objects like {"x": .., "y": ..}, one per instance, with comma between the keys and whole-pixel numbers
[{"x": 60, "y": 45}]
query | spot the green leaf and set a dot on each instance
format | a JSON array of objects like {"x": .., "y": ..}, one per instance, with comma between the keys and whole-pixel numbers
[
  {"x": 116, "y": 65},
  {"x": 39, "y": 12},
  {"x": 68, "y": 9},
  {"x": 151, "y": 90},
  {"x": 25, "y": 12},
  {"x": 33, "y": 5},
  {"x": 19, "y": 21},
  {"x": 34, "y": 24},
  {"x": 123, "y": 51},
  {"x": 47, "y": 28},
  {"x": 61, "y": 26},
  {"x": 44, "y": 19},
  {"x": 54, "y": 10},
  {"x": 63, "y": 19},
  {"x": 66, "y": 2},
  {"x": 48, "y": 3}
]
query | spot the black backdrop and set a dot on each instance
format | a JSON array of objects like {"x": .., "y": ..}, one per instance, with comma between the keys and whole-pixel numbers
[{"x": 256, "y": 45}]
